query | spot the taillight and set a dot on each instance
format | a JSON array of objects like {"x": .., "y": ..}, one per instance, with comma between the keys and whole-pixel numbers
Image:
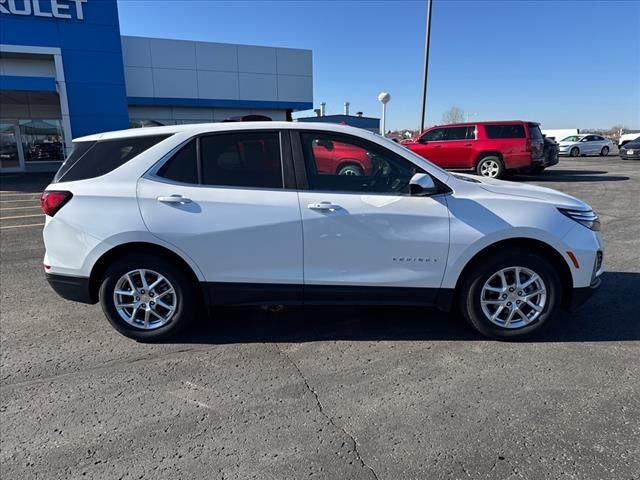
[{"x": 52, "y": 201}]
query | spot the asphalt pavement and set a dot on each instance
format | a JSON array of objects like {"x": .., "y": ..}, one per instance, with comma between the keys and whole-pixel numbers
[{"x": 359, "y": 393}]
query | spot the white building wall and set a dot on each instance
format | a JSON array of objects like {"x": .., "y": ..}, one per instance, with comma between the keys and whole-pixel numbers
[
  {"x": 197, "y": 70},
  {"x": 172, "y": 115}
]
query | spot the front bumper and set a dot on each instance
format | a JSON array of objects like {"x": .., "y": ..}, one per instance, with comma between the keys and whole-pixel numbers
[
  {"x": 625, "y": 156},
  {"x": 71, "y": 288},
  {"x": 582, "y": 294}
]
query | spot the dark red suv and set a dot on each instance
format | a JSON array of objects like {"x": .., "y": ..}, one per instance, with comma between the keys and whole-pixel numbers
[{"x": 492, "y": 149}]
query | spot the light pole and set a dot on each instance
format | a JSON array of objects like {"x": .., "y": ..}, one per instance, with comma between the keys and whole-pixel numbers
[
  {"x": 426, "y": 64},
  {"x": 383, "y": 98}
]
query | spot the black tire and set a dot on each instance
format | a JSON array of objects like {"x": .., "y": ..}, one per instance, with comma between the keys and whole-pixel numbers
[
  {"x": 497, "y": 169},
  {"x": 350, "y": 169},
  {"x": 185, "y": 296},
  {"x": 604, "y": 152},
  {"x": 471, "y": 291},
  {"x": 575, "y": 152}
]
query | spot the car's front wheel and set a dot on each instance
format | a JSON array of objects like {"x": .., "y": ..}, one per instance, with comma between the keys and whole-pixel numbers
[
  {"x": 511, "y": 295},
  {"x": 575, "y": 152},
  {"x": 147, "y": 298}
]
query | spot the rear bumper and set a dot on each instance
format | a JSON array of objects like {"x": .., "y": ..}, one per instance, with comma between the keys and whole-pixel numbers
[
  {"x": 71, "y": 288},
  {"x": 582, "y": 294}
]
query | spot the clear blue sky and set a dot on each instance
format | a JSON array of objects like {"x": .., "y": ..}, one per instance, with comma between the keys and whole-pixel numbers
[{"x": 565, "y": 64}]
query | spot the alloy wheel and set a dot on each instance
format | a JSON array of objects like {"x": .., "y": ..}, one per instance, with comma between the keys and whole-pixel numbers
[
  {"x": 490, "y": 168},
  {"x": 350, "y": 170},
  {"x": 145, "y": 299},
  {"x": 513, "y": 297}
]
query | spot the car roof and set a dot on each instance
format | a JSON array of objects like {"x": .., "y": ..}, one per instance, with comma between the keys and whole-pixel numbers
[
  {"x": 490, "y": 122},
  {"x": 202, "y": 128}
]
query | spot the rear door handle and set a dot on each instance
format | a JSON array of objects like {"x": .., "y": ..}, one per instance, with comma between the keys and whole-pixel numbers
[
  {"x": 323, "y": 206},
  {"x": 174, "y": 199},
  {"x": 468, "y": 144}
]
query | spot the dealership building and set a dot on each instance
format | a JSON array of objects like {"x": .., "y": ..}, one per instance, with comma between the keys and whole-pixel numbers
[{"x": 65, "y": 72}]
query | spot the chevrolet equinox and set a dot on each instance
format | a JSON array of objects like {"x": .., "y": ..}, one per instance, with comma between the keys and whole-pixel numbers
[{"x": 154, "y": 222}]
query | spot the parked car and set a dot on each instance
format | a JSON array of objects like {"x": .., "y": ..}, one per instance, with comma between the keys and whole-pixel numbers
[
  {"x": 551, "y": 155},
  {"x": 576, "y": 145},
  {"x": 630, "y": 150},
  {"x": 335, "y": 158},
  {"x": 241, "y": 214},
  {"x": 628, "y": 137},
  {"x": 492, "y": 149}
]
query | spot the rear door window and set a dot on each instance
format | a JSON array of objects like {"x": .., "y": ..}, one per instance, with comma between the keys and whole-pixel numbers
[
  {"x": 460, "y": 133},
  {"x": 505, "y": 131},
  {"x": 183, "y": 166},
  {"x": 103, "y": 156},
  {"x": 249, "y": 159}
]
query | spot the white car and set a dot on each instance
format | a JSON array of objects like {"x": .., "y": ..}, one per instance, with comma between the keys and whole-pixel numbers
[
  {"x": 576, "y": 145},
  {"x": 154, "y": 222},
  {"x": 628, "y": 137}
]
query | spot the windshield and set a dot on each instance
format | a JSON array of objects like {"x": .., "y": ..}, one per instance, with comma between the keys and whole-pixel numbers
[{"x": 572, "y": 138}]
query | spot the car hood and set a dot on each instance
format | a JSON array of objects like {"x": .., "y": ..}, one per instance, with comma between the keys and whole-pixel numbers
[
  {"x": 522, "y": 190},
  {"x": 566, "y": 144}
]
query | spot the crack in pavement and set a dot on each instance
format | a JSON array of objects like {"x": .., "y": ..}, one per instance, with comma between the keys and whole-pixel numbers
[{"x": 324, "y": 414}]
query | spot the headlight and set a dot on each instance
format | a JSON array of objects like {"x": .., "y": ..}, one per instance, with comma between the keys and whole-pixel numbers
[{"x": 588, "y": 218}]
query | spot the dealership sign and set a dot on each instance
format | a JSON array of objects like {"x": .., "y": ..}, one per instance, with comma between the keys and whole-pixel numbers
[{"x": 67, "y": 9}]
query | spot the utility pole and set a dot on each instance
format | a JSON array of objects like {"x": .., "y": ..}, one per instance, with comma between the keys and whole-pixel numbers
[{"x": 426, "y": 64}]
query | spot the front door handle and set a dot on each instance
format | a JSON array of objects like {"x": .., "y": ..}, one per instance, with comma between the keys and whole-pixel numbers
[
  {"x": 174, "y": 199},
  {"x": 468, "y": 144},
  {"x": 323, "y": 206}
]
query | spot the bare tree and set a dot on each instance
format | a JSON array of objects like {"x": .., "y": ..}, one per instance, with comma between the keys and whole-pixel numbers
[
  {"x": 616, "y": 131},
  {"x": 453, "y": 115}
]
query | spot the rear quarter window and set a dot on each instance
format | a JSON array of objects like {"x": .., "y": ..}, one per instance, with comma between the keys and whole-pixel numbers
[
  {"x": 94, "y": 159},
  {"x": 505, "y": 131}
]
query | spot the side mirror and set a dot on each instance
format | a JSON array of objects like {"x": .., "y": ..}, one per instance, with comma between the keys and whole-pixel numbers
[{"x": 422, "y": 185}]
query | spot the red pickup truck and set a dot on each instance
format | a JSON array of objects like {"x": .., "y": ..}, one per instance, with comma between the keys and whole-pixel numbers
[{"x": 492, "y": 149}]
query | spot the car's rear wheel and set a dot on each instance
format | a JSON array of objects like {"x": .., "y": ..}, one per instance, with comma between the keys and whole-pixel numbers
[
  {"x": 575, "y": 152},
  {"x": 350, "y": 169},
  {"x": 511, "y": 295},
  {"x": 147, "y": 298},
  {"x": 604, "y": 152},
  {"x": 490, "y": 167}
]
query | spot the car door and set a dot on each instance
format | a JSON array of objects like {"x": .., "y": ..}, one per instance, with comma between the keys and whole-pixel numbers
[
  {"x": 457, "y": 149},
  {"x": 588, "y": 145},
  {"x": 430, "y": 144},
  {"x": 599, "y": 143},
  {"x": 366, "y": 234},
  {"x": 221, "y": 200}
]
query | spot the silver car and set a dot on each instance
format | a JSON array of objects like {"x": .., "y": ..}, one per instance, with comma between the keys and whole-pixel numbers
[{"x": 576, "y": 145}]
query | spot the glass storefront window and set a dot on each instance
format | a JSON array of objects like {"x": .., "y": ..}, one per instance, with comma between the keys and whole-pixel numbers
[
  {"x": 42, "y": 140},
  {"x": 9, "y": 156}
]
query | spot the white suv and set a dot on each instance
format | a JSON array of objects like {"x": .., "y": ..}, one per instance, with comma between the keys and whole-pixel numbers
[{"x": 154, "y": 222}]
